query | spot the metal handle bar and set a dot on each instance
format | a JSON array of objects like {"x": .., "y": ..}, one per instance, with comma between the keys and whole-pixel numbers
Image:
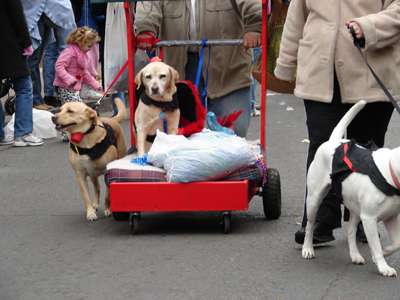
[{"x": 183, "y": 43}]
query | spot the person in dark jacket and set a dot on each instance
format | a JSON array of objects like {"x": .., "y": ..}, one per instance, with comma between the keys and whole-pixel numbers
[{"x": 16, "y": 46}]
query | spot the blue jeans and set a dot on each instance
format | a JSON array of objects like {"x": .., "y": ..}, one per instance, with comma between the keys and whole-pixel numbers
[
  {"x": 120, "y": 95},
  {"x": 23, "y": 123},
  {"x": 225, "y": 105},
  {"x": 256, "y": 55},
  {"x": 52, "y": 52},
  {"x": 33, "y": 62}
]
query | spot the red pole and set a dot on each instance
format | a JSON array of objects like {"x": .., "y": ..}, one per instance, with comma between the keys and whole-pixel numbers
[
  {"x": 264, "y": 73},
  {"x": 129, "y": 7}
]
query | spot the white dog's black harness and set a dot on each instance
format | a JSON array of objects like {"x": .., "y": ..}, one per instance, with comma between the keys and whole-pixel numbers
[
  {"x": 100, "y": 148},
  {"x": 351, "y": 157},
  {"x": 170, "y": 105}
]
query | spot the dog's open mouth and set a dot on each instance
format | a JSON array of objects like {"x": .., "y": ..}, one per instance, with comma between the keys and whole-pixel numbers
[{"x": 62, "y": 127}]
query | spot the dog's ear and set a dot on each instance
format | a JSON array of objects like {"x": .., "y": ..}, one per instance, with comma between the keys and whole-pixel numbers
[
  {"x": 91, "y": 113},
  {"x": 174, "y": 75},
  {"x": 172, "y": 87},
  {"x": 138, "y": 78}
]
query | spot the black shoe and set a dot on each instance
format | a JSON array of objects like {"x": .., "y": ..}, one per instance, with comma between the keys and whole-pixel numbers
[
  {"x": 322, "y": 234},
  {"x": 53, "y": 101},
  {"x": 360, "y": 235}
]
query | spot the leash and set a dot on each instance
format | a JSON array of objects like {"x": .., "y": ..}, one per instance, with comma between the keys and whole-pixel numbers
[
  {"x": 360, "y": 43},
  {"x": 112, "y": 83},
  {"x": 203, "y": 96}
]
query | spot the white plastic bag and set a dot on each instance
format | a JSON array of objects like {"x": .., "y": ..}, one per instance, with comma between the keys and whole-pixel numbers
[
  {"x": 205, "y": 156},
  {"x": 43, "y": 127},
  {"x": 116, "y": 49}
]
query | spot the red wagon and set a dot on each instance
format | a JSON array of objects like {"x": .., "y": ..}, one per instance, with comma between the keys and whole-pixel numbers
[{"x": 129, "y": 198}]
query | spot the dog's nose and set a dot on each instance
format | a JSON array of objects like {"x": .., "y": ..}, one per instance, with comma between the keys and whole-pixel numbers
[
  {"x": 54, "y": 118},
  {"x": 154, "y": 89}
]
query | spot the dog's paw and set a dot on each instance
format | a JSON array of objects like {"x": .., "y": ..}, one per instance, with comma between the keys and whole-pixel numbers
[
  {"x": 91, "y": 216},
  {"x": 358, "y": 260},
  {"x": 308, "y": 253},
  {"x": 389, "y": 272},
  {"x": 95, "y": 206},
  {"x": 107, "y": 212}
]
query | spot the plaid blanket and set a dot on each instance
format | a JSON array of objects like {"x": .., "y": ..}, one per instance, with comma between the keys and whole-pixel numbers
[{"x": 122, "y": 170}]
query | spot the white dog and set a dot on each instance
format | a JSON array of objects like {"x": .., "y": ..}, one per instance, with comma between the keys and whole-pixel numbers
[
  {"x": 360, "y": 195},
  {"x": 157, "y": 104}
]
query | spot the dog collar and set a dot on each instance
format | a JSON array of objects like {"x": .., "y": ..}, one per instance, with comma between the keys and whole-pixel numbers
[
  {"x": 77, "y": 137},
  {"x": 170, "y": 105},
  {"x": 396, "y": 181},
  {"x": 100, "y": 148}
]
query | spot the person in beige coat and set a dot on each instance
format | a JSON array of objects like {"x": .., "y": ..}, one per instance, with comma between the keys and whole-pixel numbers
[
  {"x": 317, "y": 49},
  {"x": 230, "y": 66}
]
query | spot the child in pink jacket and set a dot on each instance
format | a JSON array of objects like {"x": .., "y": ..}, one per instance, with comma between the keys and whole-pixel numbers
[{"x": 72, "y": 67}]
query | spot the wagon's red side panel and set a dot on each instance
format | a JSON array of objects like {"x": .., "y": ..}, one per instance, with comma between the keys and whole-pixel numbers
[{"x": 196, "y": 196}]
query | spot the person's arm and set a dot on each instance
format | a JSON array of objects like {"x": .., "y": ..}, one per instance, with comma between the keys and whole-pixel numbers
[
  {"x": 91, "y": 81},
  {"x": 286, "y": 64},
  {"x": 250, "y": 11},
  {"x": 149, "y": 15},
  {"x": 17, "y": 17},
  {"x": 382, "y": 29},
  {"x": 61, "y": 65}
]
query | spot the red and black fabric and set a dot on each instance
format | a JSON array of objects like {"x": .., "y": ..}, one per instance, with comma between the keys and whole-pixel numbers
[
  {"x": 193, "y": 114},
  {"x": 351, "y": 157},
  {"x": 100, "y": 148}
]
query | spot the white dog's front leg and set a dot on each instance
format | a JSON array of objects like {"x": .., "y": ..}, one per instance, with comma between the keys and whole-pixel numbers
[
  {"x": 355, "y": 255},
  {"x": 140, "y": 142},
  {"x": 392, "y": 226},
  {"x": 371, "y": 231},
  {"x": 308, "y": 248}
]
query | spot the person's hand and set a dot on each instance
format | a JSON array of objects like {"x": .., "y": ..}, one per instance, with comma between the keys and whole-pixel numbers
[
  {"x": 251, "y": 40},
  {"x": 145, "y": 45},
  {"x": 99, "y": 88},
  {"x": 357, "y": 30},
  {"x": 73, "y": 83},
  {"x": 27, "y": 51}
]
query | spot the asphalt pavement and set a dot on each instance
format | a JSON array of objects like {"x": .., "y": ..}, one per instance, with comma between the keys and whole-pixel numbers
[{"x": 48, "y": 250}]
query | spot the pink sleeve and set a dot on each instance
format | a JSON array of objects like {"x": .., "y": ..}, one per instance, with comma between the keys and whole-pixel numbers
[
  {"x": 90, "y": 80},
  {"x": 62, "y": 63}
]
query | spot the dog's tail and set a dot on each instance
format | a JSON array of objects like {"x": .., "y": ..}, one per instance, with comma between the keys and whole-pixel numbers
[
  {"x": 341, "y": 127},
  {"x": 121, "y": 116}
]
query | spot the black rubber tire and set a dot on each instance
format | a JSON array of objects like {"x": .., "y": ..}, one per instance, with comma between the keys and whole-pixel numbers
[
  {"x": 225, "y": 222},
  {"x": 271, "y": 194},
  {"x": 135, "y": 224},
  {"x": 9, "y": 105},
  {"x": 121, "y": 215}
]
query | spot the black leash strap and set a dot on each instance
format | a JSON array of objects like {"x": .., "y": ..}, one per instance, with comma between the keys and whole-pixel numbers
[{"x": 360, "y": 43}]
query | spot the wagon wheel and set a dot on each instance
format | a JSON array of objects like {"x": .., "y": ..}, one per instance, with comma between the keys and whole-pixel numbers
[
  {"x": 121, "y": 215},
  {"x": 9, "y": 105},
  {"x": 225, "y": 221},
  {"x": 271, "y": 194},
  {"x": 135, "y": 223}
]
